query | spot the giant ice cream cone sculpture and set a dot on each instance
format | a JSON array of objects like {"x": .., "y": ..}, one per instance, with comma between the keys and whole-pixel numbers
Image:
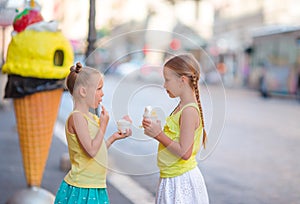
[
  {"x": 36, "y": 115},
  {"x": 38, "y": 60}
]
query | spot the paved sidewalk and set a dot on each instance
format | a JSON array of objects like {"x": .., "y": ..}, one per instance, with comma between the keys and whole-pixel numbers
[{"x": 12, "y": 177}]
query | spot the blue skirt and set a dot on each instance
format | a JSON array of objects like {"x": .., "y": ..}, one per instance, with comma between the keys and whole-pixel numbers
[{"x": 68, "y": 194}]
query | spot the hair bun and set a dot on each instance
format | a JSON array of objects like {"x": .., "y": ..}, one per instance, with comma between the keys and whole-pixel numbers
[
  {"x": 72, "y": 68},
  {"x": 78, "y": 67}
]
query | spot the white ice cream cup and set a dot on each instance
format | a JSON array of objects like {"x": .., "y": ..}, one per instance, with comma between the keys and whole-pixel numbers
[
  {"x": 150, "y": 113},
  {"x": 123, "y": 125},
  {"x": 147, "y": 112}
]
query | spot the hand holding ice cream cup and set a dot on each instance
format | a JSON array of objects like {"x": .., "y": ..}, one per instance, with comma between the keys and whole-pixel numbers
[
  {"x": 151, "y": 122},
  {"x": 124, "y": 126},
  {"x": 150, "y": 113}
]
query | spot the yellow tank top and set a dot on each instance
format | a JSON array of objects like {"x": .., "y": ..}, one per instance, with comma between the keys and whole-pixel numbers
[
  {"x": 86, "y": 172},
  {"x": 169, "y": 164}
]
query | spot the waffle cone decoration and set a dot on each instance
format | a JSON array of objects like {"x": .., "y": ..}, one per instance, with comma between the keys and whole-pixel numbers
[
  {"x": 36, "y": 115},
  {"x": 37, "y": 62}
]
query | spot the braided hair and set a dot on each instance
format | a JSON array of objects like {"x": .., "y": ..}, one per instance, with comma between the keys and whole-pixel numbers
[{"x": 187, "y": 65}]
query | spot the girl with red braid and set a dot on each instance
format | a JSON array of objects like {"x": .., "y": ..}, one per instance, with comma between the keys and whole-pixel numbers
[{"x": 181, "y": 138}]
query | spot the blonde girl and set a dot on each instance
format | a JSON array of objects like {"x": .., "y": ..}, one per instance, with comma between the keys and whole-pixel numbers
[
  {"x": 86, "y": 181},
  {"x": 181, "y": 138}
]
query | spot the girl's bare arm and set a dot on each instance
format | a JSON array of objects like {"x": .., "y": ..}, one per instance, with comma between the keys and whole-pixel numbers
[{"x": 80, "y": 127}]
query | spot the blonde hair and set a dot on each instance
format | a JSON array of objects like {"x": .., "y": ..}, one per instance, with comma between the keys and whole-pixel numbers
[
  {"x": 187, "y": 65},
  {"x": 80, "y": 75}
]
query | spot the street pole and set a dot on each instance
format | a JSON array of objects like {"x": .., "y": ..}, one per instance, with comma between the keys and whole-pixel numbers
[
  {"x": 3, "y": 46},
  {"x": 92, "y": 36}
]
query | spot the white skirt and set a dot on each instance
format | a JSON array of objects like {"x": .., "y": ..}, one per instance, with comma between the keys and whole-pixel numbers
[{"x": 186, "y": 188}]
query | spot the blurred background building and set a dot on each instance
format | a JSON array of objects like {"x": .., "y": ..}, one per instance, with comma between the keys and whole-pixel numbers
[{"x": 224, "y": 28}]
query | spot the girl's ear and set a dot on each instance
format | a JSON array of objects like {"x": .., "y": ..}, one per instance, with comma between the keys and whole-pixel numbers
[
  {"x": 82, "y": 91},
  {"x": 184, "y": 79}
]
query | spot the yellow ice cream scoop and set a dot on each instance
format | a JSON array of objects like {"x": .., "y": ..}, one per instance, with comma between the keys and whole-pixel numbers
[{"x": 45, "y": 55}]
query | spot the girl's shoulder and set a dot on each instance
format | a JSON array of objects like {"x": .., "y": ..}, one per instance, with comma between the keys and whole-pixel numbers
[
  {"x": 179, "y": 112},
  {"x": 78, "y": 113},
  {"x": 193, "y": 105},
  {"x": 70, "y": 122},
  {"x": 80, "y": 118},
  {"x": 177, "y": 115}
]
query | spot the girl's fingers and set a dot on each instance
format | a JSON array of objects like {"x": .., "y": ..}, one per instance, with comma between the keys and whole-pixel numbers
[
  {"x": 146, "y": 122},
  {"x": 104, "y": 110},
  {"x": 128, "y": 132}
]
